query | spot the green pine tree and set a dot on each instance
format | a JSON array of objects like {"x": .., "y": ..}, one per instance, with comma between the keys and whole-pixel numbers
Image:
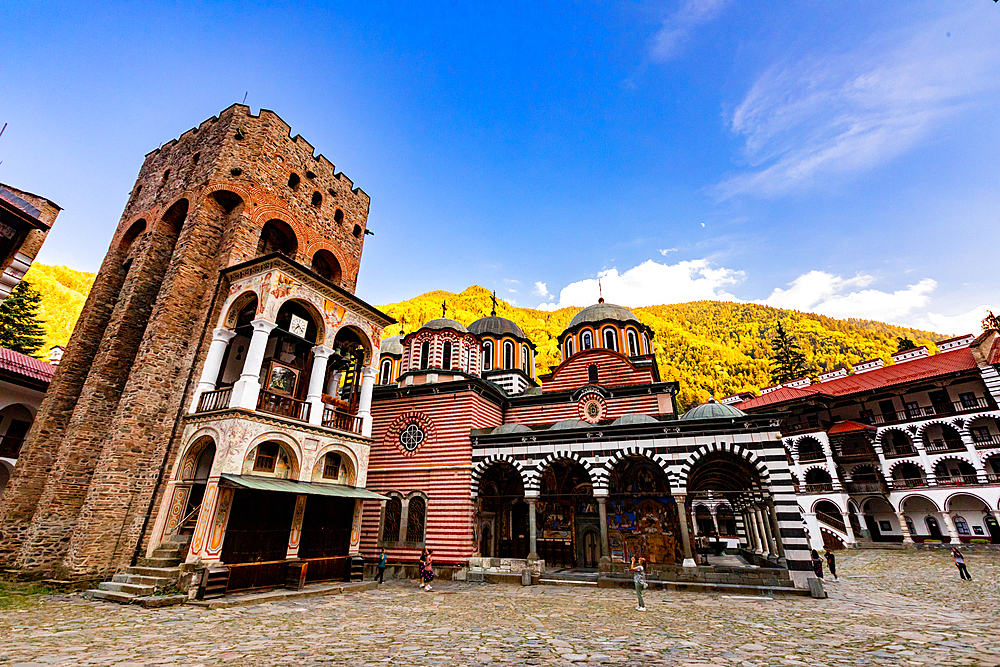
[
  {"x": 787, "y": 359},
  {"x": 21, "y": 329},
  {"x": 903, "y": 344}
]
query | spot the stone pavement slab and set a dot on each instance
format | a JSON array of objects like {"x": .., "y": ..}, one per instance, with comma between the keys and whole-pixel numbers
[{"x": 889, "y": 608}]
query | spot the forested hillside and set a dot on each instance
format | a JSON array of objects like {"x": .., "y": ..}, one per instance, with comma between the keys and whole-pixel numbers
[
  {"x": 63, "y": 292},
  {"x": 708, "y": 346}
]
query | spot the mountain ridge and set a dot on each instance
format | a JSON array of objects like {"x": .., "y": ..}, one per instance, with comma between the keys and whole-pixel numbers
[{"x": 710, "y": 347}]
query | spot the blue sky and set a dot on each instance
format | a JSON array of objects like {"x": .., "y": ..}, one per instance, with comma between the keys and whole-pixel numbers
[{"x": 838, "y": 157}]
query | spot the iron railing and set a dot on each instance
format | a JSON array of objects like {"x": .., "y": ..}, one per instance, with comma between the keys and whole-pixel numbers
[
  {"x": 866, "y": 487},
  {"x": 818, "y": 487},
  {"x": 944, "y": 445}
]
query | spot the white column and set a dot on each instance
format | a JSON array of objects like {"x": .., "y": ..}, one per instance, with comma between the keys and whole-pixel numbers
[
  {"x": 952, "y": 531},
  {"x": 772, "y": 548},
  {"x": 365, "y": 403},
  {"x": 532, "y": 528},
  {"x": 846, "y": 518},
  {"x": 247, "y": 388},
  {"x": 831, "y": 466},
  {"x": 213, "y": 364},
  {"x": 321, "y": 355},
  {"x": 759, "y": 528},
  {"x": 977, "y": 462},
  {"x": 815, "y": 535},
  {"x": 907, "y": 538}
]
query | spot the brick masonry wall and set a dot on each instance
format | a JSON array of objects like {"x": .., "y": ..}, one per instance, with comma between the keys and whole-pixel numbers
[{"x": 79, "y": 505}]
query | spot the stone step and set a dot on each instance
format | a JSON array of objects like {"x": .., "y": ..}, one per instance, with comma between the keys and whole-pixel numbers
[
  {"x": 132, "y": 589},
  {"x": 176, "y": 550},
  {"x": 171, "y": 573},
  {"x": 707, "y": 587},
  {"x": 159, "y": 562},
  {"x": 180, "y": 539},
  {"x": 156, "y": 582},
  {"x": 112, "y": 596}
]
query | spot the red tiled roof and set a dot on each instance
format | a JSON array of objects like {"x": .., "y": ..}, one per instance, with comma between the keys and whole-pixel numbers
[
  {"x": 847, "y": 427},
  {"x": 945, "y": 363},
  {"x": 22, "y": 364}
]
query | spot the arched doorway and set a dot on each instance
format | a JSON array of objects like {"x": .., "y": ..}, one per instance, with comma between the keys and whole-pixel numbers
[
  {"x": 503, "y": 514},
  {"x": 642, "y": 516},
  {"x": 565, "y": 509},
  {"x": 15, "y": 420},
  {"x": 199, "y": 481}
]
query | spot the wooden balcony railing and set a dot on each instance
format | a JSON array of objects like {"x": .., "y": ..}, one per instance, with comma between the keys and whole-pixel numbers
[
  {"x": 866, "y": 487},
  {"x": 957, "y": 480},
  {"x": 818, "y": 487},
  {"x": 854, "y": 452},
  {"x": 10, "y": 446},
  {"x": 811, "y": 455},
  {"x": 985, "y": 442},
  {"x": 896, "y": 452},
  {"x": 967, "y": 405},
  {"x": 284, "y": 406},
  {"x": 340, "y": 420},
  {"x": 944, "y": 445},
  {"x": 908, "y": 483},
  {"x": 215, "y": 400}
]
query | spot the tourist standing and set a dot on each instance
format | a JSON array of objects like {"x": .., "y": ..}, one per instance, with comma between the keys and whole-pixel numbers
[
  {"x": 382, "y": 559},
  {"x": 640, "y": 581},
  {"x": 817, "y": 563},
  {"x": 831, "y": 564},
  {"x": 421, "y": 567},
  {"x": 428, "y": 570},
  {"x": 960, "y": 563}
]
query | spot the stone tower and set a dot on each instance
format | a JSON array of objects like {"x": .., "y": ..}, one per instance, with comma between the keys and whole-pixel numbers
[{"x": 87, "y": 488}]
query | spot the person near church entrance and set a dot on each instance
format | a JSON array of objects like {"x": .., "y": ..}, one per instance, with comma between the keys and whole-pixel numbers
[
  {"x": 960, "y": 563},
  {"x": 420, "y": 568},
  {"x": 831, "y": 564},
  {"x": 382, "y": 559},
  {"x": 817, "y": 564},
  {"x": 640, "y": 581},
  {"x": 428, "y": 574}
]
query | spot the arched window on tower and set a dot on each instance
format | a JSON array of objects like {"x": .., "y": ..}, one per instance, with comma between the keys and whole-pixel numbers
[
  {"x": 385, "y": 374},
  {"x": 569, "y": 348},
  {"x": 391, "y": 518},
  {"x": 487, "y": 356},
  {"x": 525, "y": 358},
  {"x": 592, "y": 374},
  {"x": 415, "y": 519},
  {"x": 611, "y": 339},
  {"x": 633, "y": 343},
  {"x": 446, "y": 356},
  {"x": 586, "y": 341},
  {"x": 425, "y": 354},
  {"x": 508, "y": 355},
  {"x": 466, "y": 359}
]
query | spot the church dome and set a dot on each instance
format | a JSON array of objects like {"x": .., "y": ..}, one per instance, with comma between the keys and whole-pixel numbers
[
  {"x": 602, "y": 312},
  {"x": 628, "y": 420},
  {"x": 445, "y": 323},
  {"x": 510, "y": 428},
  {"x": 713, "y": 410},
  {"x": 569, "y": 423},
  {"x": 392, "y": 345},
  {"x": 496, "y": 326}
]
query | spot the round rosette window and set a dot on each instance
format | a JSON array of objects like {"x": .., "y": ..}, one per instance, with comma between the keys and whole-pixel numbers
[
  {"x": 591, "y": 408},
  {"x": 411, "y": 437}
]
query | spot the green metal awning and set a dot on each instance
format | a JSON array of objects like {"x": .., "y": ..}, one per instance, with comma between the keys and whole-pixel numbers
[{"x": 291, "y": 486}]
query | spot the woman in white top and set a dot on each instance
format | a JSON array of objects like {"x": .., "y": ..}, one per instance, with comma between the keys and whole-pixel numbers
[{"x": 640, "y": 580}]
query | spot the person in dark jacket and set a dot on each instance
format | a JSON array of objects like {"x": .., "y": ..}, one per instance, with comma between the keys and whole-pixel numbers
[
  {"x": 817, "y": 564},
  {"x": 960, "y": 563},
  {"x": 380, "y": 565},
  {"x": 831, "y": 564}
]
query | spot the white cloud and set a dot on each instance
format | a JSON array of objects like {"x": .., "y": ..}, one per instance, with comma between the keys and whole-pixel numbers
[
  {"x": 670, "y": 39},
  {"x": 963, "y": 323},
  {"x": 541, "y": 290},
  {"x": 652, "y": 283},
  {"x": 833, "y": 114},
  {"x": 827, "y": 294},
  {"x": 667, "y": 251}
]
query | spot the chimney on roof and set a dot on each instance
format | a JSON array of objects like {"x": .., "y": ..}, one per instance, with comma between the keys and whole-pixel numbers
[
  {"x": 736, "y": 398},
  {"x": 870, "y": 365},
  {"x": 800, "y": 383},
  {"x": 55, "y": 354},
  {"x": 956, "y": 343},
  {"x": 912, "y": 354},
  {"x": 838, "y": 372},
  {"x": 768, "y": 390}
]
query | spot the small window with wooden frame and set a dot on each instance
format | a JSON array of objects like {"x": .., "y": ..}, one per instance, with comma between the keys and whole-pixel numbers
[{"x": 267, "y": 457}]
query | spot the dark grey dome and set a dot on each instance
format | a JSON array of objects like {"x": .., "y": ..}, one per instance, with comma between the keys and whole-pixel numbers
[
  {"x": 600, "y": 312},
  {"x": 497, "y": 326},
  {"x": 569, "y": 423},
  {"x": 392, "y": 345},
  {"x": 626, "y": 420},
  {"x": 713, "y": 410},
  {"x": 510, "y": 428},
  {"x": 445, "y": 323}
]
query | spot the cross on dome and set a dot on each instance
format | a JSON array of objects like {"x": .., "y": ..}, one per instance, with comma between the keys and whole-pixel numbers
[{"x": 493, "y": 298}]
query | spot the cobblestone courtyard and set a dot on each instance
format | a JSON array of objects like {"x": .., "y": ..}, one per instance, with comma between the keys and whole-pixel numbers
[{"x": 890, "y": 608}]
